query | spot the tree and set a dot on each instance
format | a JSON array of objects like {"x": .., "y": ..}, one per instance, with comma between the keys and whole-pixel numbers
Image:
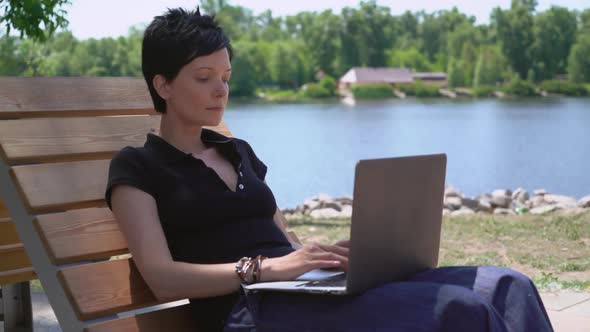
[
  {"x": 456, "y": 74},
  {"x": 411, "y": 58},
  {"x": 555, "y": 33},
  {"x": 514, "y": 29},
  {"x": 36, "y": 19},
  {"x": 489, "y": 68},
  {"x": 579, "y": 61}
]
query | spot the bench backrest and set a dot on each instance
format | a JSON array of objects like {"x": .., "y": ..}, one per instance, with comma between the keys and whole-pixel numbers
[{"x": 57, "y": 136}]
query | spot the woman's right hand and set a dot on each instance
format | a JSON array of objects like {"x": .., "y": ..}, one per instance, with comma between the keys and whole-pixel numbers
[{"x": 305, "y": 259}]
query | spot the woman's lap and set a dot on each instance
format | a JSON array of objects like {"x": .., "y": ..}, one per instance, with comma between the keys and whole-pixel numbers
[{"x": 443, "y": 299}]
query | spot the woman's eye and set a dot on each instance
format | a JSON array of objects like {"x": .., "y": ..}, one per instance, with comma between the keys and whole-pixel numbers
[{"x": 202, "y": 79}]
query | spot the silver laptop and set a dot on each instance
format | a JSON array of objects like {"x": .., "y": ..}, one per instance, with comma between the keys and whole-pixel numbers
[{"x": 395, "y": 227}]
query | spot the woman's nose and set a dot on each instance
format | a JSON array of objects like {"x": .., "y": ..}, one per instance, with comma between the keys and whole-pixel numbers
[{"x": 221, "y": 90}]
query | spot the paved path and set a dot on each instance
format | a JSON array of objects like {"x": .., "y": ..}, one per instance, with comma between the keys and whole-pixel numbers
[{"x": 569, "y": 312}]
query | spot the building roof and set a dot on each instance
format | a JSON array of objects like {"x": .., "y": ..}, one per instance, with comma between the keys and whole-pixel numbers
[
  {"x": 377, "y": 75},
  {"x": 437, "y": 76}
]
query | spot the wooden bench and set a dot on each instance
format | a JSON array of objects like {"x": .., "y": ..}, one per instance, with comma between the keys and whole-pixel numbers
[
  {"x": 57, "y": 136},
  {"x": 15, "y": 273}
]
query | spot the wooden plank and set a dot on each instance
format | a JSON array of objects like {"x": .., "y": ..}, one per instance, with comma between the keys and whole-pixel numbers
[
  {"x": 3, "y": 210},
  {"x": 61, "y": 186},
  {"x": 68, "y": 139},
  {"x": 80, "y": 235},
  {"x": 13, "y": 257},
  {"x": 15, "y": 276},
  {"x": 178, "y": 318},
  {"x": 8, "y": 234},
  {"x": 105, "y": 288},
  {"x": 25, "y": 97}
]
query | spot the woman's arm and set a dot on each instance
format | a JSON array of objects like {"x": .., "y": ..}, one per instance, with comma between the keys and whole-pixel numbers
[
  {"x": 137, "y": 216},
  {"x": 281, "y": 222}
]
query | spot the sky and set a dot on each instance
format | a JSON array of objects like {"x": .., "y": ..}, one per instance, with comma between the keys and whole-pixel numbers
[{"x": 112, "y": 18}]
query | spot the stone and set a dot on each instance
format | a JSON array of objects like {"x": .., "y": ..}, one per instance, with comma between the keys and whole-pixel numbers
[
  {"x": 451, "y": 191},
  {"x": 538, "y": 201},
  {"x": 584, "y": 202},
  {"x": 324, "y": 213},
  {"x": 540, "y": 192},
  {"x": 502, "y": 192},
  {"x": 462, "y": 212},
  {"x": 544, "y": 209},
  {"x": 344, "y": 200},
  {"x": 470, "y": 203},
  {"x": 311, "y": 204},
  {"x": 446, "y": 212},
  {"x": 346, "y": 211},
  {"x": 452, "y": 203},
  {"x": 330, "y": 204},
  {"x": 564, "y": 201},
  {"x": 501, "y": 201},
  {"x": 502, "y": 211},
  {"x": 484, "y": 206},
  {"x": 520, "y": 195},
  {"x": 324, "y": 197}
]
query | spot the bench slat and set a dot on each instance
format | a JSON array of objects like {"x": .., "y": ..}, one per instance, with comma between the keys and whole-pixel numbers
[
  {"x": 13, "y": 257},
  {"x": 80, "y": 235},
  {"x": 105, "y": 288},
  {"x": 8, "y": 233},
  {"x": 18, "y": 275},
  {"x": 25, "y": 97},
  {"x": 3, "y": 210},
  {"x": 68, "y": 139},
  {"x": 170, "y": 319},
  {"x": 62, "y": 186}
]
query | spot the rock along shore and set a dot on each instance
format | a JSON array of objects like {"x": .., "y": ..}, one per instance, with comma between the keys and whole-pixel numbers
[{"x": 499, "y": 202}]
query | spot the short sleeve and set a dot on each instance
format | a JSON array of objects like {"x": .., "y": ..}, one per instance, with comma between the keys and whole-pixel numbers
[
  {"x": 127, "y": 167},
  {"x": 257, "y": 165}
]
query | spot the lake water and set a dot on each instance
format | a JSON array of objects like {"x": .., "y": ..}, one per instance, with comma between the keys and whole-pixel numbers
[{"x": 490, "y": 144}]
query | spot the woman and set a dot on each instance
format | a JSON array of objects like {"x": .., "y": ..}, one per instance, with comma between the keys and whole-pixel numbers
[{"x": 200, "y": 220}]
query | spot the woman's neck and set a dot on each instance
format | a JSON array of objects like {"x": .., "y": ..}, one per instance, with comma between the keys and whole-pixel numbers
[{"x": 182, "y": 137}]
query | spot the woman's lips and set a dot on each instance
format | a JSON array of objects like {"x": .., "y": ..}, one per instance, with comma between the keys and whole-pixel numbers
[{"x": 215, "y": 109}]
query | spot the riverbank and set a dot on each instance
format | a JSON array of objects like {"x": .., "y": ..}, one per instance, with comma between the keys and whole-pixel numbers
[
  {"x": 497, "y": 202},
  {"x": 553, "y": 249}
]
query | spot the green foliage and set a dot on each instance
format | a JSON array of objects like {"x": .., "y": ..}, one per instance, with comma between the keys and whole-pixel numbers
[
  {"x": 408, "y": 88},
  {"x": 37, "y": 19},
  {"x": 372, "y": 91},
  {"x": 409, "y": 58},
  {"x": 566, "y": 88},
  {"x": 282, "y": 95},
  {"x": 483, "y": 91},
  {"x": 329, "y": 84},
  {"x": 514, "y": 28},
  {"x": 554, "y": 34},
  {"x": 426, "y": 90},
  {"x": 489, "y": 68},
  {"x": 519, "y": 87},
  {"x": 579, "y": 61},
  {"x": 316, "y": 90},
  {"x": 456, "y": 75}
]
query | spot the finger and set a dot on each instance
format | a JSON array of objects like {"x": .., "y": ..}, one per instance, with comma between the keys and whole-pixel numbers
[
  {"x": 343, "y": 243},
  {"x": 326, "y": 255},
  {"x": 335, "y": 249},
  {"x": 325, "y": 264}
]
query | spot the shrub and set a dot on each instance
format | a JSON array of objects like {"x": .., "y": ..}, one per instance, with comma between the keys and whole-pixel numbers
[
  {"x": 372, "y": 91},
  {"x": 566, "y": 88},
  {"x": 328, "y": 83},
  {"x": 315, "y": 90},
  {"x": 282, "y": 95},
  {"x": 519, "y": 87},
  {"x": 483, "y": 91},
  {"x": 425, "y": 90},
  {"x": 408, "y": 88}
]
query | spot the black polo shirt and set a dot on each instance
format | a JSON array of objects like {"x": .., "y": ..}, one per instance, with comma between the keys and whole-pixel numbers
[{"x": 203, "y": 220}]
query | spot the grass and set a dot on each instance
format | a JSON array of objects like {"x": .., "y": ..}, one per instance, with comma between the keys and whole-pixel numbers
[{"x": 553, "y": 250}]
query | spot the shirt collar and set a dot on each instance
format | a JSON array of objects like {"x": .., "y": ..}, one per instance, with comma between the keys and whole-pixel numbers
[{"x": 169, "y": 153}]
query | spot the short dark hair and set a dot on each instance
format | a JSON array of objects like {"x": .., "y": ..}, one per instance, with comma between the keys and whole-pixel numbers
[{"x": 174, "y": 39}]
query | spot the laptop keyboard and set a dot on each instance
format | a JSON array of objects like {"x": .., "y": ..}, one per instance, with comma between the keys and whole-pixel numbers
[{"x": 335, "y": 281}]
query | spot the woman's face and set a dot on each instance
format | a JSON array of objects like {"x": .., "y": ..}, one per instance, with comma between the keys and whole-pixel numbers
[{"x": 199, "y": 92}]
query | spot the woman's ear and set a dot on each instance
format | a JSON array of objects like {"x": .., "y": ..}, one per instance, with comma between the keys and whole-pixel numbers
[{"x": 161, "y": 85}]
